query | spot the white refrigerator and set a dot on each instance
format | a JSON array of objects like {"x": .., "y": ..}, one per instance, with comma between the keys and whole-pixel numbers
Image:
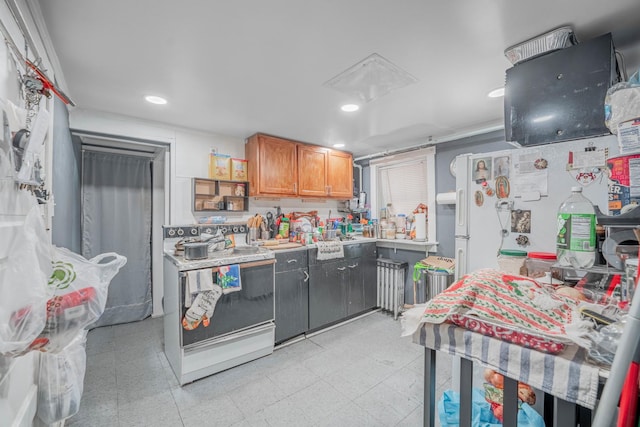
[{"x": 520, "y": 210}]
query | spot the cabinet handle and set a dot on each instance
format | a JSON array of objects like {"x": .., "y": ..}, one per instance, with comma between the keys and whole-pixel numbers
[
  {"x": 292, "y": 260},
  {"x": 342, "y": 268},
  {"x": 295, "y": 187},
  {"x": 353, "y": 266},
  {"x": 306, "y": 276},
  {"x": 329, "y": 189}
]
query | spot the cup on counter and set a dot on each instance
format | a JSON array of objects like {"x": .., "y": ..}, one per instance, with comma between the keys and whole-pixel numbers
[{"x": 265, "y": 235}]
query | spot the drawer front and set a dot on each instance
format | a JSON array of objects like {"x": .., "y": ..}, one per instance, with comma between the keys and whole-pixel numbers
[
  {"x": 353, "y": 250},
  {"x": 293, "y": 260}
]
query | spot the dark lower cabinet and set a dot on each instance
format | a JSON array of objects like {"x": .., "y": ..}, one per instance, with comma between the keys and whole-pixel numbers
[
  {"x": 327, "y": 293},
  {"x": 369, "y": 275},
  {"x": 342, "y": 288},
  {"x": 355, "y": 288},
  {"x": 291, "y": 295}
]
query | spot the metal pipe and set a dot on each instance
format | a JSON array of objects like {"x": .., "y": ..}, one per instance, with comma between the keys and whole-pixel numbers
[
  {"x": 431, "y": 142},
  {"x": 627, "y": 347}
]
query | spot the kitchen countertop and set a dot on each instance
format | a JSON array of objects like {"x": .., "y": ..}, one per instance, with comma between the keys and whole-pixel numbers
[
  {"x": 227, "y": 256},
  {"x": 217, "y": 259}
]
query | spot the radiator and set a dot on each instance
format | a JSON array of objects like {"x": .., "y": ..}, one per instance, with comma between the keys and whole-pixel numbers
[{"x": 391, "y": 275}]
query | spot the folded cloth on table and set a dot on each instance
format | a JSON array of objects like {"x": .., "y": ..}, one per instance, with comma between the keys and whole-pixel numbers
[
  {"x": 229, "y": 278},
  {"x": 197, "y": 281},
  {"x": 512, "y": 300},
  {"x": 331, "y": 249}
]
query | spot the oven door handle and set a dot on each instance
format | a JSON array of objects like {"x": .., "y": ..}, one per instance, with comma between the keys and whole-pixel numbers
[
  {"x": 257, "y": 263},
  {"x": 306, "y": 276}
]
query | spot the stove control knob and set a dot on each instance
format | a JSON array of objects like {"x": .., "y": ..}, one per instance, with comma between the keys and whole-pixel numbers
[
  {"x": 172, "y": 232},
  {"x": 194, "y": 231},
  {"x": 224, "y": 230},
  {"x": 235, "y": 229},
  {"x": 207, "y": 230},
  {"x": 180, "y": 232}
]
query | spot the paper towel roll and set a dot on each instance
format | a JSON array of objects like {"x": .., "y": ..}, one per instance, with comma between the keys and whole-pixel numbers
[
  {"x": 446, "y": 198},
  {"x": 421, "y": 227}
]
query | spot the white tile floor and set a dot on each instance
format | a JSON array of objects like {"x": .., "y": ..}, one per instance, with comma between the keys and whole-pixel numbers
[{"x": 359, "y": 374}]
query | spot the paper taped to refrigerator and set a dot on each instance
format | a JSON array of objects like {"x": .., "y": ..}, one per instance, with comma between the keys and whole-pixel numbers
[{"x": 526, "y": 177}]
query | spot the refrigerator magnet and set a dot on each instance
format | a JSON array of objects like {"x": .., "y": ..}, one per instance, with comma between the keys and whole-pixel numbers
[
  {"x": 501, "y": 166},
  {"x": 479, "y": 198},
  {"x": 521, "y": 221},
  {"x": 502, "y": 187},
  {"x": 481, "y": 170}
]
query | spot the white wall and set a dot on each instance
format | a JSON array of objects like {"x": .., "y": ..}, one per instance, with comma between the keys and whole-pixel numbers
[
  {"x": 18, "y": 392},
  {"x": 189, "y": 158}
]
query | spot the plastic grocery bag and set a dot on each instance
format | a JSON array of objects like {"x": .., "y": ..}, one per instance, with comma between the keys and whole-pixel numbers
[
  {"x": 60, "y": 381},
  {"x": 622, "y": 102},
  {"x": 80, "y": 289},
  {"x": 481, "y": 414},
  {"x": 25, "y": 267}
]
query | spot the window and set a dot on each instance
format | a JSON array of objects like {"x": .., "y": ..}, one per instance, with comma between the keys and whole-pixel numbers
[{"x": 405, "y": 181}]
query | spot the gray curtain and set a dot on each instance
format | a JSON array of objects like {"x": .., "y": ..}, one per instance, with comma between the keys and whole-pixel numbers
[{"x": 116, "y": 217}]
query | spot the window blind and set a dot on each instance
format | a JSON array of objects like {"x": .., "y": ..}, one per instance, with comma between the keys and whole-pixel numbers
[{"x": 404, "y": 185}]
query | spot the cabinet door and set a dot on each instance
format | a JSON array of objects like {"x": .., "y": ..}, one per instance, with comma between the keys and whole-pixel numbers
[
  {"x": 355, "y": 295},
  {"x": 327, "y": 293},
  {"x": 272, "y": 166},
  {"x": 340, "y": 174},
  {"x": 292, "y": 303},
  {"x": 369, "y": 275},
  {"x": 312, "y": 171}
]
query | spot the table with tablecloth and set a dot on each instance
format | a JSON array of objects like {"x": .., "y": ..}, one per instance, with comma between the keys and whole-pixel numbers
[{"x": 569, "y": 377}]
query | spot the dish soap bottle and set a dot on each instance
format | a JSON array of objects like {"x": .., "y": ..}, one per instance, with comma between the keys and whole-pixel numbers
[{"x": 576, "y": 238}]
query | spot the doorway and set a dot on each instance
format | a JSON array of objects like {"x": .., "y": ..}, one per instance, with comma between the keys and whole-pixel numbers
[{"x": 123, "y": 207}]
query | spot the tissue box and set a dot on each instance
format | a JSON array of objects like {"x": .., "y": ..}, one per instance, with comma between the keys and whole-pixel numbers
[{"x": 219, "y": 167}]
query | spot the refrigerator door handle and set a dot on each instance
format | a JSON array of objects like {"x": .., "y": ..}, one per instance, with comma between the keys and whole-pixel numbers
[
  {"x": 461, "y": 207},
  {"x": 461, "y": 263}
]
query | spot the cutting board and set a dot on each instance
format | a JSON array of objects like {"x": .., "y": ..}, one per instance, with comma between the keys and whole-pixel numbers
[{"x": 284, "y": 246}]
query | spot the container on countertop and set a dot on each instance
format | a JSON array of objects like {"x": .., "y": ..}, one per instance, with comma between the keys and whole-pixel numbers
[
  {"x": 540, "y": 265},
  {"x": 511, "y": 260}
]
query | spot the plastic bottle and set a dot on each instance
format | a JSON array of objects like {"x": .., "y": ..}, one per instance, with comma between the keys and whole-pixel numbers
[{"x": 576, "y": 238}]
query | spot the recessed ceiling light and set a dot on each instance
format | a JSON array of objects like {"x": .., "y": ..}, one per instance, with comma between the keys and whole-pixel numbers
[
  {"x": 350, "y": 108},
  {"x": 155, "y": 99},
  {"x": 338, "y": 145},
  {"x": 496, "y": 93}
]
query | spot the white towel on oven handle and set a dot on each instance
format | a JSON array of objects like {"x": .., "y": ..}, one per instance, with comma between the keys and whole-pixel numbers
[{"x": 197, "y": 281}]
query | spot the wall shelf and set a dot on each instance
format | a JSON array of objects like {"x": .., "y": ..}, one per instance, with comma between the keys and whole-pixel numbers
[{"x": 211, "y": 195}]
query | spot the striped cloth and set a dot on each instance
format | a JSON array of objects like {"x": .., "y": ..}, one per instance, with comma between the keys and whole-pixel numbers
[{"x": 567, "y": 376}]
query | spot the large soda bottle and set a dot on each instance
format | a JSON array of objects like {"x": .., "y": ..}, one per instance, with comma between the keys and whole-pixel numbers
[{"x": 576, "y": 239}]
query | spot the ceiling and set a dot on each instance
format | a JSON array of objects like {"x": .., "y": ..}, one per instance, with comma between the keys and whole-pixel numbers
[{"x": 239, "y": 67}]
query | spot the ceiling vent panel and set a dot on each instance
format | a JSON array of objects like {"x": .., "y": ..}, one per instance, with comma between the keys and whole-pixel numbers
[{"x": 371, "y": 78}]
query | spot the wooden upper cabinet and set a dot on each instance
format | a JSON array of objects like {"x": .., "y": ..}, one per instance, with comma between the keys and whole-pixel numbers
[
  {"x": 281, "y": 167},
  {"x": 272, "y": 166},
  {"x": 340, "y": 174},
  {"x": 312, "y": 171}
]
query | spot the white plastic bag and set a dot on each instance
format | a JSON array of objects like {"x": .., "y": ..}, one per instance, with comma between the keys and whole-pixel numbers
[
  {"x": 25, "y": 267},
  {"x": 81, "y": 287},
  {"x": 61, "y": 381},
  {"x": 622, "y": 103}
]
